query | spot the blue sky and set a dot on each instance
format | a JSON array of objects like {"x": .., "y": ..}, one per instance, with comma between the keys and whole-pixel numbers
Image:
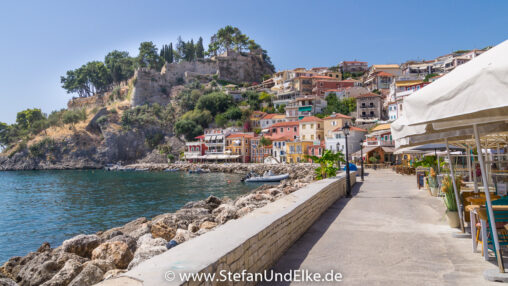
[{"x": 41, "y": 40}]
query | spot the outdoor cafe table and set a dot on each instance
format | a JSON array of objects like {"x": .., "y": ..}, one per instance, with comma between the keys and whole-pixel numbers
[{"x": 481, "y": 211}]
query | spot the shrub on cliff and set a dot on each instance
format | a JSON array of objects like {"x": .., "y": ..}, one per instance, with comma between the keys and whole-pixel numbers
[
  {"x": 189, "y": 129},
  {"x": 144, "y": 115},
  {"x": 215, "y": 102},
  {"x": 40, "y": 148}
]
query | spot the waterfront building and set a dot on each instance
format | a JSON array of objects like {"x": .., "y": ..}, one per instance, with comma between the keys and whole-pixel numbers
[
  {"x": 353, "y": 67},
  {"x": 334, "y": 121},
  {"x": 279, "y": 148},
  {"x": 337, "y": 137},
  {"x": 369, "y": 107},
  {"x": 259, "y": 151},
  {"x": 311, "y": 128},
  {"x": 297, "y": 151},
  {"x": 195, "y": 150},
  {"x": 316, "y": 149},
  {"x": 239, "y": 145}
]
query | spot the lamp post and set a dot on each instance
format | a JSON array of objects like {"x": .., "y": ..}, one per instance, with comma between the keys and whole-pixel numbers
[
  {"x": 361, "y": 156},
  {"x": 345, "y": 129}
]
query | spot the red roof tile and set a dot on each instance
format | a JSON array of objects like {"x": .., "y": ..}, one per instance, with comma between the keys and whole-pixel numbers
[
  {"x": 338, "y": 115},
  {"x": 240, "y": 135},
  {"x": 382, "y": 73},
  {"x": 311, "y": 119},
  {"x": 284, "y": 124}
]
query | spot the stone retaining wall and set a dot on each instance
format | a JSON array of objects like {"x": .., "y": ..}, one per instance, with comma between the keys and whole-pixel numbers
[{"x": 254, "y": 242}]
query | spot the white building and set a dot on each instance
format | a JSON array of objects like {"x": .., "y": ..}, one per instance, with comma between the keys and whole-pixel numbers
[
  {"x": 279, "y": 148},
  {"x": 355, "y": 136}
]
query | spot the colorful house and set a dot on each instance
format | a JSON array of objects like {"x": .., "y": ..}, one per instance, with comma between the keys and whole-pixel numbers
[
  {"x": 334, "y": 121},
  {"x": 270, "y": 119},
  {"x": 311, "y": 128},
  {"x": 259, "y": 151},
  {"x": 279, "y": 148},
  {"x": 238, "y": 145},
  {"x": 287, "y": 129},
  {"x": 255, "y": 119},
  {"x": 297, "y": 151}
]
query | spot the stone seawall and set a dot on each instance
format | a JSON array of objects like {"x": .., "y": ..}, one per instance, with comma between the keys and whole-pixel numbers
[{"x": 253, "y": 242}]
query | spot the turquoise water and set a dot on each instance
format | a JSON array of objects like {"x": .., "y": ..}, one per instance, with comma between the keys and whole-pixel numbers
[{"x": 38, "y": 206}]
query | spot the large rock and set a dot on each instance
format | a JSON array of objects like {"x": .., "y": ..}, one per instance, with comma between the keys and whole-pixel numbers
[
  {"x": 39, "y": 267},
  {"x": 184, "y": 217},
  {"x": 117, "y": 251},
  {"x": 208, "y": 225},
  {"x": 148, "y": 247},
  {"x": 82, "y": 244},
  {"x": 70, "y": 270},
  {"x": 113, "y": 273},
  {"x": 129, "y": 240},
  {"x": 163, "y": 231},
  {"x": 91, "y": 274},
  {"x": 182, "y": 235},
  {"x": 7, "y": 282},
  {"x": 224, "y": 213}
]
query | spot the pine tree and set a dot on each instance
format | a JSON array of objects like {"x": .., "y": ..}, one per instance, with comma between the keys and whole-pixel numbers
[
  {"x": 200, "y": 50},
  {"x": 170, "y": 53}
]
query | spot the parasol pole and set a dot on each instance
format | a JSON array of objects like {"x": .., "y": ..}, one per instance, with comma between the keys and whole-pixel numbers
[{"x": 492, "y": 219}]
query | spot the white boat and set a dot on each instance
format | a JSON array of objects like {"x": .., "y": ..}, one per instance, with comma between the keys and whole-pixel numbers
[{"x": 267, "y": 177}]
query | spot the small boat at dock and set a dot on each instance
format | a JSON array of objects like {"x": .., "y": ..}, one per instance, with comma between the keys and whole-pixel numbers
[{"x": 267, "y": 177}]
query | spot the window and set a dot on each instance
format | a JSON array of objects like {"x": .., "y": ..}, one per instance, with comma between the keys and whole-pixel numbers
[
  {"x": 281, "y": 130},
  {"x": 303, "y": 137},
  {"x": 312, "y": 137},
  {"x": 295, "y": 128},
  {"x": 363, "y": 104},
  {"x": 363, "y": 113},
  {"x": 319, "y": 126},
  {"x": 303, "y": 126},
  {"x": 372, "y": 104},
  {"x": 372, "y": 113}
]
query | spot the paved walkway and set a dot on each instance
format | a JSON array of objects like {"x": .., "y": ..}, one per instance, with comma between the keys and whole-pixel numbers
[{"x": 389, "y": 233}]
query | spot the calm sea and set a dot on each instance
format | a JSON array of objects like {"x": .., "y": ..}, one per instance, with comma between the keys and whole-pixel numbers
[{"x": 38, "y": 206}]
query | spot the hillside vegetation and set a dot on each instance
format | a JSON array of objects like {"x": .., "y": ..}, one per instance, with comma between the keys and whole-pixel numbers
[{"x": 102, "y": 126}]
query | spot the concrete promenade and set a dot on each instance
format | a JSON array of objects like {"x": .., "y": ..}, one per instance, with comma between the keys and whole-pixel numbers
[{"x": 389, "y": 233}]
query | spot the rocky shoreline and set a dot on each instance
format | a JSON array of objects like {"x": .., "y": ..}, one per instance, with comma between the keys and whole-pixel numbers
[{"x": 87, "y": 259}]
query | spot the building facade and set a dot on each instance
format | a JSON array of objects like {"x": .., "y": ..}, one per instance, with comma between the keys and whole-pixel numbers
[
  {"x": 369, "y": 107},
  {"x": 311, "y": 128}
]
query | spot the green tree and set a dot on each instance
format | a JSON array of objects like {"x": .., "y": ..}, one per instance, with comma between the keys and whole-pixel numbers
[
  {"x": 200, "y": 50},
  {"x": 215, "y": 102},
  {"x": 120, "y": 65},
  {"x": 201, "y": 117},
  {"x": 4, "y": 138},
  {"x": 221, "y": 120},
  {"x": 189, "y": 129},
  {"x": 252, "y": 99},
  {"x": 233, "y": 113},
  {"x": 265, "y": 141},
  {"x": 148, "y": 56},
  {"x": 328, "y": 164},
  {"x": 26, "y": 118}
]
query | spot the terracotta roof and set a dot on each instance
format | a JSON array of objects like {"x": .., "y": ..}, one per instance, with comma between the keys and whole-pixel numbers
[
  {"x": 200, "y": 137},
  {"x": 270, "y": 116},
  {"x": 284, "y": 124},
  {"x": 311, "y": 119},
  {"x": 386, "y": 66},
  {"x": 282, "y": 138},
  {"x": 381, "y": 127},
  {"x": 338, "y": 115},
  {"x": 370, "y": 94},
  {"x": 351, "y": 128},
  {"x": 322, "y": 76},
  {"x": 382, "y": 73},
  {"x": 240, "y": 135},
  {"x": 354, "y": 62}
]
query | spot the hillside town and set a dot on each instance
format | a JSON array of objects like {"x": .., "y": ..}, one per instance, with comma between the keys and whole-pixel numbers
[{"x": 303, "y": 130}]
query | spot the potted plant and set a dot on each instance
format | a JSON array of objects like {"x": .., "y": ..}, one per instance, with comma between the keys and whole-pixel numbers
[
  {"x": 432, "y": 181},
  {"x": 452, "y": 214}
]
